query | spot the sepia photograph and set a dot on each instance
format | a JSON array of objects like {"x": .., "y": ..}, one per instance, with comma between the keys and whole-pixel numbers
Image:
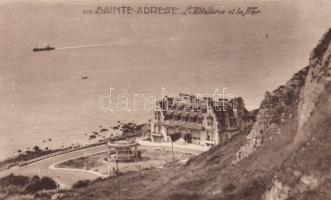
[{"x": 165, "y": 100}]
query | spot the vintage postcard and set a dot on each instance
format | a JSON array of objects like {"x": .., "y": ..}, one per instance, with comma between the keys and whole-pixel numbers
[{"x": 165, "y": 100}]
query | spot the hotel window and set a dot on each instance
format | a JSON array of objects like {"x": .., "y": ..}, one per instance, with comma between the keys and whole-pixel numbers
[
  {"x": 200, "y": 121},
  {"x": 208, "y": 136},
  {"x": 157, "y": 116},
  {"x": 210, "y": 121}
]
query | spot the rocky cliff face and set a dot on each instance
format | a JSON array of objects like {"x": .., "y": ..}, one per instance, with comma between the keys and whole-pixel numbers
[
  {"x": 306, "y": 173},
  {"x": 318, "y": 77},
  {"x": 304, "y": 105},
  {"x": 277, "y": 108}
]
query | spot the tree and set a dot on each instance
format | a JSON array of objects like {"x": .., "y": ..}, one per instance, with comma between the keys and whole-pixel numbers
[
  {"x": 103, "y": 130},
  {"x": 188, "y": 138},
  {"x": 36, "y": 149},
  {"x": 48, "y": 183},
  {"x": 92, "y": 137},
  {"x": 175, "y": 136}
]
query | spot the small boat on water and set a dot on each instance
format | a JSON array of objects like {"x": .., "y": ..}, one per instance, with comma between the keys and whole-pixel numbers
[{"x": 47, "y": 48}]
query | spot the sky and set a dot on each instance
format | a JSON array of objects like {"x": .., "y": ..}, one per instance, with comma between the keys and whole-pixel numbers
[{"x": 43, "y": 96}]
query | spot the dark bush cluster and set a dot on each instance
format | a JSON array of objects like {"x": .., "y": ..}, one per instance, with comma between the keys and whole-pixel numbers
[
  {"x": 37, "y": 184},
  {"x": 26, "y": 185},
  {"x": 80, "y": 184},
  {"x": 19, "y": 181}
]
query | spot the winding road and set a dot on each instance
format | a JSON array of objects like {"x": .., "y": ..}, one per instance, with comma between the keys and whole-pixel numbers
[{"x": 66, "y": 177}]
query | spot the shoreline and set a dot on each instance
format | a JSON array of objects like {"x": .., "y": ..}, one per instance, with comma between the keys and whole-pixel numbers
[{"x": 100, "y": 135}]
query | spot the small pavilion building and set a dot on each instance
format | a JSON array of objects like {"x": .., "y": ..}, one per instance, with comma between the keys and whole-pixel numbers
[{"x": 125, "y": 151}]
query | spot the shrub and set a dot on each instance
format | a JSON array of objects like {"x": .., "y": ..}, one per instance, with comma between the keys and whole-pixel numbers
[
  {"x": 175, "y": 136},
  {"x": 229, "y": 188},
  {"x": 37, "y": 149},
  {"x": 14, "y": 180},
  {"x": 37, "y": 184},
  {"x": 48, "y": 183},
  {"x": 80, "y": 184},
  {"x": 22, "y": 184},
  {"x": 92, "y": 137}
]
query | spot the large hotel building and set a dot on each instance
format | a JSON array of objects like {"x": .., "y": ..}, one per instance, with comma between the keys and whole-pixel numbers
[{"x": 200, "y": 121}]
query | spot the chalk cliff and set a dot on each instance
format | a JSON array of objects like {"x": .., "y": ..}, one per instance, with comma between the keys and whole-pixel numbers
[{"x": 301, "y": 112}]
